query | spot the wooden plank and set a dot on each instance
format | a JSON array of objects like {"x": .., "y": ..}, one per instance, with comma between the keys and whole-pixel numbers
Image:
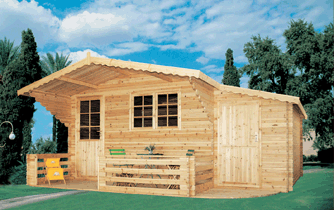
[
  {"x": 144, "y": 171},
  {"x": 145, "y": 180}
]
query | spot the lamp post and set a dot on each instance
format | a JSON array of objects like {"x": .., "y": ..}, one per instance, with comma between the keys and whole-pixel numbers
[{"x": 11, "y": 135}]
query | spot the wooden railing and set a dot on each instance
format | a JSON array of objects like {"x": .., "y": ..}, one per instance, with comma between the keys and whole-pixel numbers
[
  {"x": 36, "y": 167},
  {"x": 163, "y": 175}
]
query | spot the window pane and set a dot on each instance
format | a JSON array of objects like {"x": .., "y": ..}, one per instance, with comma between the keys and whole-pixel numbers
[
  {"x": 162, "y": 99},
  {"x": 84, "y": 119},
  {"x": 138, "y": 101},
  {"x": 162, "y": 110},
  {"x": 138, "y": 111},
  {"x": 84, "y": 106},
  {"x": 162, "y": 121},
  {"x": 147, "y": 122},
  {"x": 84, "y": 133},
  {"x": 172, "y": 110},
  {"x": 137, "y": 122},
  {"x": 172, "y": 98},
  {"x": 95, "y": 119},
  {"x": 95, "y": 133},
  {"x": 148, "y": 100},
  {"x": 147, "y": 111},
  {"x": 172, "y": 121},
  {"x": 95, "y": 106}
]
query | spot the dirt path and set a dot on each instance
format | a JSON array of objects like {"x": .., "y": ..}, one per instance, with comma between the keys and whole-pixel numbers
[{"x": 15, "y": 202}]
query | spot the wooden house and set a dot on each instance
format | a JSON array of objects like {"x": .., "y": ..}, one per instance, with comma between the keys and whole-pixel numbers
[{"x": 242, "y": 138}]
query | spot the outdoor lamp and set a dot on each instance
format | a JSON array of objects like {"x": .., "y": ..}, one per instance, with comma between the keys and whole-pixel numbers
[{"x": 11, "y": 135}]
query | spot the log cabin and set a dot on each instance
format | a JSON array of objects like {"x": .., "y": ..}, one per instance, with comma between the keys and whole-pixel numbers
[{"x": 240, "y": 138}]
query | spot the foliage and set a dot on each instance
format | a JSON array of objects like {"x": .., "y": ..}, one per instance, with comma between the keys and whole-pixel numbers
[
  {"x": 231, "y": 75},
  {"x": 150, "y": 148},
  {"x": 18, "y": 109},
  {"x": 304, "y": 158},
  {"x": 311, "y": 158},
  {"x": 43, "y": 146},
  {"x": 8, "y": 53},
  {"x": 19, "y": 173},
  {"x": 312, "y": 54},
  {"x": 269, "y": 69},
  {"x": 305, "y": 70},
  {"x": 50, "y": 65}
]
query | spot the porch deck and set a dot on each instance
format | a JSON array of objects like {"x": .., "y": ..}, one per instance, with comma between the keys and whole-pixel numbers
[{"x": 214, "y": 193}]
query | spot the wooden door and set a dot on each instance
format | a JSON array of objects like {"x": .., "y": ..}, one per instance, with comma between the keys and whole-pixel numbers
[{"x": 238, "y": 144}]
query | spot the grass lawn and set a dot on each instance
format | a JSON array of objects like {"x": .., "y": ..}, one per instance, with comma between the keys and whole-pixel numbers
[
  {"x": 312, "y": 191},
  {"x": 13, "y": 191}
]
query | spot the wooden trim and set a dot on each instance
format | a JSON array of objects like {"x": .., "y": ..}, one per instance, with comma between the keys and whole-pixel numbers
[
  {"x": 260, "y": 144},
  {"x": 66, "y": 79}
]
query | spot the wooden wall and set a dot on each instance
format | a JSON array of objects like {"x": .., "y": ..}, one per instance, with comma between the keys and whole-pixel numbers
[
  {"x": 276, "y": 159},
  {"x": 195, "y": 132},
  {"x": 297, "y": 144}
]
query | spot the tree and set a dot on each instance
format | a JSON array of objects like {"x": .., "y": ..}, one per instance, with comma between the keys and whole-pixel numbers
[
  {"x": 312, "y": 54},
  {"x": 305, "y": 70},
  {"x": 269, "y": 69},
  {"x": 18, "y": 109},
  {"x": 231, "y": 75},
  {"x": 50, "y": 65},
  {"x": 8, "y": 53}
]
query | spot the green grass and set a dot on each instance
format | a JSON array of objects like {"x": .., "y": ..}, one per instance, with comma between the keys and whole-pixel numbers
[
  {"x": 13, "y": 191},
  {"x": 312, "y": 191}
]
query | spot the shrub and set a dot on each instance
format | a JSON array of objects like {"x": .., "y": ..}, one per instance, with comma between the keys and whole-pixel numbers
[
  {"x": 41, "y": 146},
  {"x": 312, "y": 158},
  {"x": 304, "y": 158},
  {"x": 19, "y": 173}
]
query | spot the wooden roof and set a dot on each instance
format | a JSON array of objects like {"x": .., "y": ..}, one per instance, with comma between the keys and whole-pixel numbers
[{"x": 93, "y": 71}]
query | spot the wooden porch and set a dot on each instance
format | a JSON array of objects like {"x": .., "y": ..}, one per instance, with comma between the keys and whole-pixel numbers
[
  {"x": 178, "y": 176},
  {"x": 214, "y": 193}
]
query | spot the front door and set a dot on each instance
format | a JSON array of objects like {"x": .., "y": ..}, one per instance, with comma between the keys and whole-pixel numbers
[{"x": 238, "y": 144}]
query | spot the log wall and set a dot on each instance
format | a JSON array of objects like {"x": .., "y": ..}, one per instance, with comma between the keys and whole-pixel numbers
[
  {"x": 277, "y": 121},
  {"x": 195, "y": 130}
]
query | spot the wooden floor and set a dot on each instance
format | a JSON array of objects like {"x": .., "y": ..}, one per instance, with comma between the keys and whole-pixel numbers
[
  {"x": 222, "y": 193},
  {"x": 215, "y": 193}
]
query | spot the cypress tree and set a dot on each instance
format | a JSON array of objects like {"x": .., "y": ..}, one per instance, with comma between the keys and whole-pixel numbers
[
  {"x": 18, "y": 109},
  {"x": 230, "y": 76}
]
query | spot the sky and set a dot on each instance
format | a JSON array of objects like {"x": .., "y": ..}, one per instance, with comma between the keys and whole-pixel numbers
[{"x": 188, "y": 34}]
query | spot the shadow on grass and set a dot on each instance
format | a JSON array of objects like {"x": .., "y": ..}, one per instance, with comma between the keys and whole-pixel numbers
[{"x": 312, "y": 191}]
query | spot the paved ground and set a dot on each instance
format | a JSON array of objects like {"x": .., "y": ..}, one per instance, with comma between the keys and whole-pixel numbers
[{"x": 14, "y": 202}]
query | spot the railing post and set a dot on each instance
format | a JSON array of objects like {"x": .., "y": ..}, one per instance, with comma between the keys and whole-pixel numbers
[
  {"x": 184, "y": 176},
  {"x": 31, "y": 169},
  {"x": 192, "y": 171}
]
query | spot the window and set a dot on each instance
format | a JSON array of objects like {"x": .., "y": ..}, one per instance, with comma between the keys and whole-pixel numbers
[
  {"x": 165, "y": 108},
  {"x": 143, "y": 111},
  {"x": 90, "y": 119}
]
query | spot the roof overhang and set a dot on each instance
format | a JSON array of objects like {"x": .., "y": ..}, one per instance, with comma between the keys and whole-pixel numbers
[
  {"x": 265, "y": 95},
  {"x": 91, "y": 72}
]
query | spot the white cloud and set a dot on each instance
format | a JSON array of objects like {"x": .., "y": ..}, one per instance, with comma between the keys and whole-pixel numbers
[
  {"x": 241, "y": 59},
  {"x": 212, "y": 69},
  {"x": 203, "y": 60},
  {"x": 18, "y": 16},
  {"x": 94, "y": 29},
  {"x": 79, "y": 55},
  {"x": 201, "y": 26},
  {"x": 127, "y": 48}
]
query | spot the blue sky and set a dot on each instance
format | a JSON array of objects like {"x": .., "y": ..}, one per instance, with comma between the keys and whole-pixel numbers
[{"x": 187, "y": 34}]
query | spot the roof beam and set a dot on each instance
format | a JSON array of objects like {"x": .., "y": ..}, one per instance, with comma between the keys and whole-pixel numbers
[{"x": 66, "y": 79}]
